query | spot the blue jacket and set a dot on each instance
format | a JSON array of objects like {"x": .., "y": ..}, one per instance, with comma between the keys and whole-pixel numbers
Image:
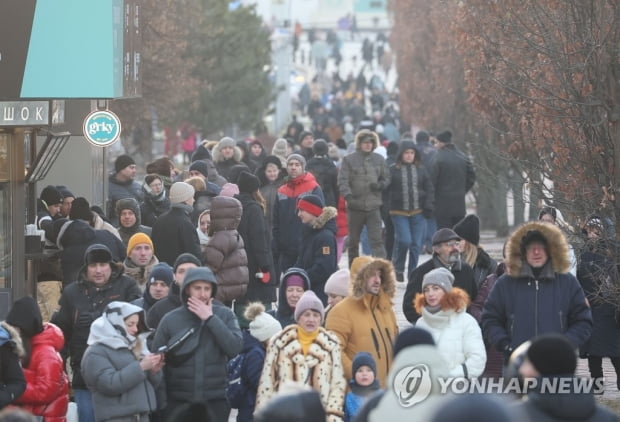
[
  {"x": 522, "y": 306},
  {"x": 250, "y": 374}
]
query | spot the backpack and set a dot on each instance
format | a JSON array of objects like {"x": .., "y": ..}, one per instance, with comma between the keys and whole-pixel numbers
[{"x": 235, "y": 392}]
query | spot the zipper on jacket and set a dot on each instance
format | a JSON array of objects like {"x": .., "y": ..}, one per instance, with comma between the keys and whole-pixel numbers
[
  {"x": 387, "y": 354},
  {"x": 561, "y": 322},
  {"x": 536, "y": 311},
  {"x": 376, "y": 342}
]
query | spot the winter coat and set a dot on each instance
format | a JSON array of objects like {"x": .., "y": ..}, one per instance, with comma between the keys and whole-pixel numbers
[
  {"x": 483, "y": 267},
  {"x": 225, "y": 252},
  {"x": 403, "y": 195},
  {"x": 521, "y": 306},
  {"x": 320, "y": 368},
  {"x": 452, "y": 174},
  {"x": 140, "y": 274},
  {"x": 430, "y": 366},
  {"x": 318, "y": 251},
  {"x": 358, "y": 172},
  {"x": 196, "y": 371},
  {"x": 284, "y": 314},
  {"x": 257, "y": 248},
  {"x": 203, "y": 200},
  {"x": 463, "y": 278},
  {"x": 47, "y": 384},
  {"x": 456, "y": 333},
  {"x": 120, "y": 190},
  {"x": 98, "y": 223},
  {"x": 174, "y": 234},
  {"x": 287, "y": 227},
  {"x": 118, "y": 384},
  {"x": 12, "y": 381},
  {"x": 81, "y": 303},
  {"x": 153, "y": 206},
  {"x": 214, "y": 177},
  {"x": 224, "y": 166},
  {"x": 573, "y": 406},
  {"x": 366, "y": 323},
  {"x": 326, "y": 175},
  {"x": 74, "y": 237},
  {"x": 596, "y": 264},
  {"x": 138, "y": 227},
  {"x": 251, "y": 371}
]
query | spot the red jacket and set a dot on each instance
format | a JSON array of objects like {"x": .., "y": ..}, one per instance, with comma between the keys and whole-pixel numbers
[{"x": 47, "y": 384}]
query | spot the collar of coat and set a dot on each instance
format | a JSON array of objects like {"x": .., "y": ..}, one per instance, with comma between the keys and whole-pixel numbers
[
  {"x": 557, "y": 248},
  {"x": 295, "y": 187},
  {"x": 327, "y": 214},
  {"x": 14, "y": 338},
  {"x": 388, "y": 279}
]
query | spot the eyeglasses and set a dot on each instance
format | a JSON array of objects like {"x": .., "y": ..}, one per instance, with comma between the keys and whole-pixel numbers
[{"x": 452, "y": 243}]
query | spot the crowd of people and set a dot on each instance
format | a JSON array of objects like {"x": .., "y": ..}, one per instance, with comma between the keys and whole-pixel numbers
[{"x": 232, "y": 265}]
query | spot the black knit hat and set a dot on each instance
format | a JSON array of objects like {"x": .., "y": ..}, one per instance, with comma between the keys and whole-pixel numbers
[
  {"x": 445, "y": 137},
  {"x": 412, "y": 336},
  {"x": 444, "y": 235},
  {"x": 51, "y": 196},
  {"x": 469, "y": 229},
  {"x": 201, "y": 153},
  {"x": 320, "y": 147},
  {"x": 80, "y": 209},
  {"x": 65, "y": 192},
  {"x": 247, "y": 182},
  {"x": 161, "y": 272},
  {"x": 200, "y": 166},
  {"x": 123, "y": 161},
  {"x": 421, "y": 136},
  {"x": 552, "y": 354},
  {"x": 184, "y": 258},
  {"x": 26, "y": 316}
]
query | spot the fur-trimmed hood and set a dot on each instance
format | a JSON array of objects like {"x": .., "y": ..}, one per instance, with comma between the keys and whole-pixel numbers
[
  {"x": 217, "y": 150},
  {"x": 366, "y": 134},
  {"x": 327, "y": 214},
  {"x": 456, "y": 300},
  {"x": 388, "y": 278},
  {"x": 557, "y": 248},
  {"x": 13, "y": 337}
]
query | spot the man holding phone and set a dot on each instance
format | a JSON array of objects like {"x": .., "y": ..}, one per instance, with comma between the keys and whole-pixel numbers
[{"x": 195, "y": 372}]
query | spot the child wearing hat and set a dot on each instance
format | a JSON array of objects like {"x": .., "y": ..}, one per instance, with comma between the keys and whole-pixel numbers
[
  {"x": 318, "y": 247},
  {"x": 457, "y": 334},
  {"x": 363, "y": 384}
]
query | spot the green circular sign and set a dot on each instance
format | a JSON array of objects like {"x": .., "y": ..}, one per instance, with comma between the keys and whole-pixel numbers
[{"x": 102, "y": 128}]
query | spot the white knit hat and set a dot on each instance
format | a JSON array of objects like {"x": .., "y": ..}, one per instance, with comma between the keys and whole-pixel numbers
[
  {"x": 181, "y": 192},
  {"x": 338, "y": 283},
  {"x": 262, "y": 325}
]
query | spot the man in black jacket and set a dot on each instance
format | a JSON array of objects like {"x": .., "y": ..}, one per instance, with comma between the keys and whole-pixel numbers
[
  {"x": 445, "y": 254},
  {"x": 100, "y": 282}
]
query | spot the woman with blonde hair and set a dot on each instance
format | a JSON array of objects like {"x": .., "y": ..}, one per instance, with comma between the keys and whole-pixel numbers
[{"x": 477, "y": 258}]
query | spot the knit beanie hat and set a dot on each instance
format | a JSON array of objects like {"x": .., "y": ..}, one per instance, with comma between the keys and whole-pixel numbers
[
  {"x": 311, "y": 203},
  {"x": 161, "y": 272},
  {"x": 229, "y": 189},
  {"x": 445, "y": 137},
  {"x": 299, "y": 158},
  {"x": 338, "y": 283},
  {"x": 247, "y": 182},
  {"x": 201, "y": 167},
  {"x": 320, "y": 147},
  {"x": 226, "y": 142},
  {"x": 421, "y": 136},
  {"x": 295, "y": 280},
  {"x": 552, "y": 354},
  {"x": 410, "y": 337},
  {"x": 262, "y": 325},
  {"x": 444, "y": 235},
  {"x": 201, "y": 153},
  {"x": 181, "y": 192},
  {"x": 123, "y": 161},
  {"x": 65, "y": 192},
  {"x": 302, "y": 135},
  {"x": 469, "y": 229},
  {"x": 309, "y": 300},
  {"x": 441, "y": 277},
  {"x": 184, "y": 258},
  {"x": 26, "y": 316},
  {"x": 51, "y": 196},
  {"x": 364, "y": 359},
  {"x": 137, "y": 239},
  {"x": 80, "y": 210}
]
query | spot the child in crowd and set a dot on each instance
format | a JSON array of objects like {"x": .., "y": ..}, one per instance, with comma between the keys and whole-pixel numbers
[
  {"x": 363, "y": 384},
  {"x": 204, "y": 221}
]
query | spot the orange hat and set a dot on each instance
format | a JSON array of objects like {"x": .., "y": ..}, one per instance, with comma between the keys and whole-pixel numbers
[{"x": 137, "y": 239}]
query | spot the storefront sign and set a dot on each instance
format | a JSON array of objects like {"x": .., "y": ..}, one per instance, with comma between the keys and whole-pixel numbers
[
  {"x": 24, "y": 113},
  {"x": 102, "y": 128}
]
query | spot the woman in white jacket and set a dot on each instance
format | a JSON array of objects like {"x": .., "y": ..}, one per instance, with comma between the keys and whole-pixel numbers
[{"x": 456, "y": 333}]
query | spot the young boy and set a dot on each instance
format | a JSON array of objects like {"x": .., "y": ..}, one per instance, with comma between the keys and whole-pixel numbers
[{"x": 363, "y": 384}]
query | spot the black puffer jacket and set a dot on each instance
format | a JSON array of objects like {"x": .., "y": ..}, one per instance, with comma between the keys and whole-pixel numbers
[
  {"x": 174, "y": 234},
  {"x": 326, "y": 175}
]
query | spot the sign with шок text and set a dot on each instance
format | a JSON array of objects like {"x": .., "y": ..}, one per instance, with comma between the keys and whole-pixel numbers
[{"x": 102, "y": 128}]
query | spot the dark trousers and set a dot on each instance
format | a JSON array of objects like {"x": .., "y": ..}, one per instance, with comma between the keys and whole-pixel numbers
[
  {"x": 216, "y": 410},
  {"x": 595, "y": 365},
  {"x": 447, "y": 221},
  {"x": 372, "y": 220}
]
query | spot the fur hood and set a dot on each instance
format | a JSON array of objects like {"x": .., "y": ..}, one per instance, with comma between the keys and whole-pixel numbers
[
  {"x": 557, "y": 248},
  {"x": 217, "y": 150},
  {"x": 327, "y": 214},
  {"x": 15, "y": 338},
  {"x": 364, "y": 134},
  {"x": 388, "y": 279},
  {"x": 456, "y": 300}
]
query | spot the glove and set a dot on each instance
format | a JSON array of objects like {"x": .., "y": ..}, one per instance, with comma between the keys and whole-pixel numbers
[
  {"x": 375, "y": 187},
  {"x": 263, "y": 275},
  {"x": 427, "y": 213}
]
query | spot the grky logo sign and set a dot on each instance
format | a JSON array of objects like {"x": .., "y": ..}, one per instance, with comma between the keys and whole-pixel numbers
[{"x": 412, "y": 384}]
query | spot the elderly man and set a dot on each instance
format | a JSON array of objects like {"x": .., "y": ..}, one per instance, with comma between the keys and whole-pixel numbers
[
  {"x": 445, "y": 254},
  {"x": 100, "y": 282},
  {"x": 140, "y": 259},
  {"x": 365, "y": 320}
]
